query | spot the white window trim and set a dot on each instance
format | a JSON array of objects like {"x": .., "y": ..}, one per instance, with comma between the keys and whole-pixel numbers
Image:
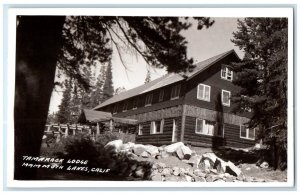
[
  {"x": 149, "y": 95},
  {"x": 202, "y": 98},
  {"x": 140, "y": 129},
  {"x": 203, "y": 121},
  {"x": 176, "y": 88},
  {"x": 247, "y": 133},
  {"x": 229, "y": 98},
  {"x": 161, "y": 95},
  {"x": 226, "y": 74},
  {"x": 160, "y": 128},
  {"x": 213, "y": 134}
]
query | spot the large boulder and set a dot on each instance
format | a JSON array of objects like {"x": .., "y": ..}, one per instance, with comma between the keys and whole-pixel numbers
[
  {"x": 232, "y": 169},
  {"x": 220, "y": 165},
  {"x": 173, "y": 147},
  {"x": 187, "y": 152},
  {"x": 152, "y": 150},
  {"x": 157, "y": 177},
  {"x": 194, "y": 161},
  {"x": 128, "y": 146},
  {"x": 114, "y": 146},
  {"x": 179, "y": 153},
  {"x": 138, "y": 149},
  {"x": 211, "y": 157},
  {"x": 145, "y": 154}
]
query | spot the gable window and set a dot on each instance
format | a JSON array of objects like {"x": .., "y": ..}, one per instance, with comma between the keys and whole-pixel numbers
[
  {"x": 203, "y": 92},
  {"x": 140, "y": 129},
  {"x": 206, "y": 127},
  {"x": 175, "y": 92},
  {"x": 161, "y": 95},
  {"x": 125, "y": 105},
  {"x": 115, "y": 108},
  {"x": 135, "y": 103},
  {"x": 247, "y": 133},
  {"x": 157, "y": 126},
  {"x": 148, "y": 101},
  {"x": 226, "y": 74},
  {"x": 226, "y": 97}
]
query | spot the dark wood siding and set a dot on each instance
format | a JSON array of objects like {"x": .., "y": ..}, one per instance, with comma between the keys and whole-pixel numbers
[
  {"x": 159, "y": 139},
  {"x": 212, "y": 77},
  {"x": 231, "y": 136}
]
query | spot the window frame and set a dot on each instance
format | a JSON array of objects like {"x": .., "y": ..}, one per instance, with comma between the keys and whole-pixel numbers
[
  {"x": 150, "y": 98},
  {"x": 227, "y": 72},
  {"x": 177, "y": 89},
  {"x": 222, "y": 96},
  {"x": 161, "y": 126},
  {"x": 204, "y": 123},
  {"x": 125, "y": 106},
  {"x": 140, "y": 129},
  {"x": 203, "y": 97},
  {"x": 247, "y": 132},
  {"x": 161, "y": 95}
]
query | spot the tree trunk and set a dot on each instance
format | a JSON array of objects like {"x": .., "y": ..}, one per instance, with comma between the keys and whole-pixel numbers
[{"x": 37, "y": 47}]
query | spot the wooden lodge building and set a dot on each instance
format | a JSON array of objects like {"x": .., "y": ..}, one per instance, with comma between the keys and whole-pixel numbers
[{"x": 194, "y": 108}]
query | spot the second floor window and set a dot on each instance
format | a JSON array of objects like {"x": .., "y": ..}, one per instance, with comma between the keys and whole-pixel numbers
[
  {"x": 226, "y": 73},
  {"x": 226, "y": 97},
  {"x": 148, "y": 101},
  {"x": 175, "y": 92},
  {"x": 203, "y": 92}
]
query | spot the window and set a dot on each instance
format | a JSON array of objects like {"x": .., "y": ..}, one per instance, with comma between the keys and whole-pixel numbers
[
  {"x": 125, "y": 105},
  {"x": 203, "y": 92},
  {"x": 149, "y": 100},
  {"x": 161, "y": 95},
  {"x": 175, "y": 92},
  {"x": 226, "y": 97},
  {"x": 140, "y": 129},
  {"x": 135, "y": 103},
  {"x": 226, "y": 74},
  {"x": 157, "y": 126},
  {"x": 209, "y": 128},
  {"x": 115, "y": 108},
  {"x": 247, "y": 133}
]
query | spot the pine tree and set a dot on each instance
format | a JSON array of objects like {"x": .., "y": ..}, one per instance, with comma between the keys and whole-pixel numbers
[
  {"x": 148, "y": 77},
  {"x": 263, "y": 77},
  {"x": 64, "y": 112},
  {"x": 97, "y": 95},
  {"x": 108, "y": 88}
]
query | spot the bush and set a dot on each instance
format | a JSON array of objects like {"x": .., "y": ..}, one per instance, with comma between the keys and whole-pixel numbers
[{"x": 108, "y": 136}]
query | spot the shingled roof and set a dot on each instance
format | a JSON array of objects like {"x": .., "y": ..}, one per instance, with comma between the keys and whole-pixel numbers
[{"x": 165, "y": 80}]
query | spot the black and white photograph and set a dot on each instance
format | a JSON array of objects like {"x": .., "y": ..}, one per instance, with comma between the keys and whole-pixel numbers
[{"x": 156, "y": 98}]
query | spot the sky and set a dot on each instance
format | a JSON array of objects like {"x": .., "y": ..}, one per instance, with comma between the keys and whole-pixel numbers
[{"x": 202, "y": 44}]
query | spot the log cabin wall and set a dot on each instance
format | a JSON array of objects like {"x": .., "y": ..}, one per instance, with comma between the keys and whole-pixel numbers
[
  {"x": 159, "y": 139},
  {"x": 231, "y": 136}
]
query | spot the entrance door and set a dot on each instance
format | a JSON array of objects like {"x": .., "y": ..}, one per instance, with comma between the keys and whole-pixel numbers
[{"x": 175, "y": 131}]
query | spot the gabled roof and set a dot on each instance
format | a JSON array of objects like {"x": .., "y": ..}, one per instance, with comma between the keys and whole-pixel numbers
[{"x": 165, "y": 80}]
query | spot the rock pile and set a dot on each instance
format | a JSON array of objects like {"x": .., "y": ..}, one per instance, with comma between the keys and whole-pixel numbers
[{"x": 204, "y": 168}]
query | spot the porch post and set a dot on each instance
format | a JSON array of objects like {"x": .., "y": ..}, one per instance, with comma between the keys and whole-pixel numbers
[
  {"x": 98, "y": 129},
  {"x": 66, "y": 131},
  {"x": 111, "y": 125}
]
